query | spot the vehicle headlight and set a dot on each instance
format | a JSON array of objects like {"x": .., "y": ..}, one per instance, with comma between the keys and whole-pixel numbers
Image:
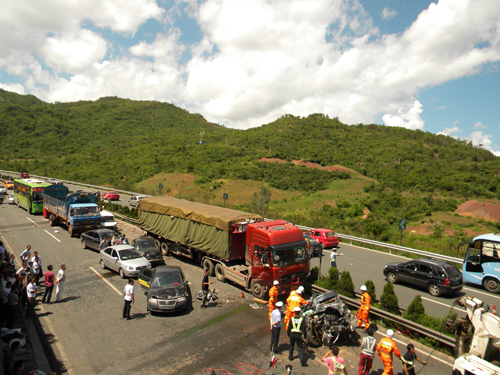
[
  {"x": 153, "y": 300},
  {"x": 130, "y": 268},
  {"x": 149, "y": 265},
  {"x": 181, "y": 299},
  {"x": 385, "y": 267}
]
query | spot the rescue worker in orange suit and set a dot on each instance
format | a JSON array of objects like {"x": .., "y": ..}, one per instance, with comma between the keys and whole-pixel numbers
[
  {"x": 273, "y": 296},
  {"x": 364, "y": 309},
  {"x": 294, "y": 300},
  {"x": 385, "y": 348}
]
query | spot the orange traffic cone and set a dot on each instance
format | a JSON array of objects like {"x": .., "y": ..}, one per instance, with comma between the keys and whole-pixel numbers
[{"x": 494, "y": 312}]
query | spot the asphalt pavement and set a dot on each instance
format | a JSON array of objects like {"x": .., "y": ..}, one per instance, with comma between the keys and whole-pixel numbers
[{"x": 85, "y": 334}]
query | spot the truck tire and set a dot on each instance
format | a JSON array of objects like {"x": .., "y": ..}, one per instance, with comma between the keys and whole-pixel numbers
[
  {"x": 257, "y": 290},
  {"x": 208, "y": 265},
  {"x": 219, "y": 272},
  {"x": 51, "y": 220},
  {"x": 165, "y": 249},
  {"x": 158, "y": 243},
  {"x": 70, "y": 231}
]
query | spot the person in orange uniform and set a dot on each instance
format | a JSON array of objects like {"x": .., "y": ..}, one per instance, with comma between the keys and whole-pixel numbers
[
  {"x": 294, "y": 300},
  {"x": 364, "y": 309},
  {"x": 385, "y": 348},
  {"x": 273, "y": 296}
]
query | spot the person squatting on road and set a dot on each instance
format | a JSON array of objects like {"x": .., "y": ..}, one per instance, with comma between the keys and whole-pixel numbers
[
  {"x": 128, "y": 292},
  {"x": 295, "y": 330},
  {"x": 49, "y": 284},
  {"x": 204, "y": 287},
  {"x": 364, "y": 309},
  {"x": 294, "y": 300},
  {"x": 409, "y": 360},
  {"x": 385, "y": 348},
  {"x": 60, "y": 281},
  {"x": 336, "y": 364},
  {"x": 368, "y": 350},
  {"x": 273, "y": 297},
  {"x": 276, "y": 327}
]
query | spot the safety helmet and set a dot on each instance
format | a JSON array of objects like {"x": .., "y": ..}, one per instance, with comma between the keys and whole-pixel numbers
[
  {"x": 300, "y": 289},
  {"x": 296, "y": 309},
  {"x": 339, "y": 360},
  {"x": 276, "y": 282},
  {"x": 363, "y": 288},
  {"x": 390, "y": 333},
  {"x": 279, "y": 304}
]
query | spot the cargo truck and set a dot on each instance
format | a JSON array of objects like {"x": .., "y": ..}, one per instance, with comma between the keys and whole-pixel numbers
[
  {"x": 233, "y": 245},
  {"x": 77, "y": 211}
]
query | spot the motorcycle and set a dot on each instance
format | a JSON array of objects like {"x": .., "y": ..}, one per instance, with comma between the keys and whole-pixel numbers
[{"x": 211, "y": 296}]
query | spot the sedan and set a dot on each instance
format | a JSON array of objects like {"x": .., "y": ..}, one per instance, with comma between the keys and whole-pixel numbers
[
  {"x": 3, "y": 190},
  {"x": 92, "y": 239},
  {"x": 165, "y": 287},
  {"x": 123, "y": 259},
  {"x": 111, "y": 196},
  {"x": 436, "y": 276},
  {"x": 313, "y": 246},
  {"x": 326, "y": 237},
  {"x": 11, "y": 199},
  {"x": 146, "y": 247}
]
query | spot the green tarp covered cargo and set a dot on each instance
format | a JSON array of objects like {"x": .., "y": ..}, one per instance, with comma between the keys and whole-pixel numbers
[{"x": 198, "y": 225}]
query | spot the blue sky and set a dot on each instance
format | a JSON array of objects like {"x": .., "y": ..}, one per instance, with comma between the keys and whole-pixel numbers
[{"x": 428, "y": 65}]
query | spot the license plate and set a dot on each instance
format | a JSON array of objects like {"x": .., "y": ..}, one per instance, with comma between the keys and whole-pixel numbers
[{"x": 167, "y": 307}]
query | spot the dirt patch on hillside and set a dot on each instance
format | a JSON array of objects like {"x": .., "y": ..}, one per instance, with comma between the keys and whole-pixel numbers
[
  {"x": 487, "y": 211},
  {"x": 309, "y": 164}
]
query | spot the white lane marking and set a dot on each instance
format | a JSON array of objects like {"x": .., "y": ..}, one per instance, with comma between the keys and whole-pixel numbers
[
  {"x": 443, "y": 304},
  {"x": 64, "y": 357},
  {"x": 34, "y": 222},
  {"x": 106, "y": 281},
  {"x": 51, "y": 235},
  {"x": 404, "y": 343}
]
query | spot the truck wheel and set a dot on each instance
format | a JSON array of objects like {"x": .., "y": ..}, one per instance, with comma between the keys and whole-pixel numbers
[
  {"x": 83, "y": 244},
  {"x": 51, "y": 220},
  {"x": 157, "y": 243},
  {"x": 165, "y": 249},
  {"x": 491, "y": 285},
  {"x": 219, "y": 272},
  {"x": 257, "y": 290},
  {"x": 208, "y": 265},
  {"x": 70, "y": 231}
]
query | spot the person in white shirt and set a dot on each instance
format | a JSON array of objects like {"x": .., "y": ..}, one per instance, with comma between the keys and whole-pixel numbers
[
  {"x": 60, "y": 280},
  {"x": 31, "y": 293},
  {"x": 26, "y": 253},
  {"x": 35, "y": 255},
  {"x": 128, "y": 292},
  {"x": 37, "y": 266}
]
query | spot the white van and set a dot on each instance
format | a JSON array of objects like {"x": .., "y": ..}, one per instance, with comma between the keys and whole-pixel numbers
[
  {"x": 108, "y": 220},
  {"x": 134, "y": 201}
]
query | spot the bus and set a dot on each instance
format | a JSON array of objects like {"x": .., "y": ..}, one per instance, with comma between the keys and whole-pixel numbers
[
  {"x": 28, "y": 194},
  {"x": 482, "y": 262}
]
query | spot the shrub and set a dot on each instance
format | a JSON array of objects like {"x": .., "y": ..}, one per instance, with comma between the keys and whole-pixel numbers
[
  {"x": 345, "y": 285},
  {"x": 370, "y": 288},
  {"x": 389, "y": 300}
]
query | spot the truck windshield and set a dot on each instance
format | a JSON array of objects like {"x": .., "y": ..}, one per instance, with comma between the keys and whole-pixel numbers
[
  {"x": 85, "y": 211},
  {"x": 293, "y": 253},
  {"x": 37, "y": 196}
]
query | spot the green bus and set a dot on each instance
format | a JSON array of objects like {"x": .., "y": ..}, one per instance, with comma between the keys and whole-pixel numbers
[{"x": 28, "y": 194}]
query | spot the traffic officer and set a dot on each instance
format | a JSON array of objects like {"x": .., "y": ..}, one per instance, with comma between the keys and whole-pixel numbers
[
  {"x": 295, "y": 331},
  {"x": 364, "y": 309},
  {"x": 273, "y": 297},
  {"x": 294, "y": 300},
  {"x": 385, "y": 348}
]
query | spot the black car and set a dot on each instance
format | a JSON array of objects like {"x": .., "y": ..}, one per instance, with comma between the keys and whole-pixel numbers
[
  {"x": 165, "y": 288},
  {"x": 92, "y": 238},
  {"x": 147, "y": 248},
  {"x": 436, "y": 276}
]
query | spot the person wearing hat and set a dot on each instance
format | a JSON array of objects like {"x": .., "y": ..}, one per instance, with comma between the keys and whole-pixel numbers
[
  {"x": 385, "y": 348},
  {"x": 295, "y": 331},
  {"x": 294, "y": 300},
  {"x": 364, "y": 309},
  {"x": 276, "y": 327},
  {"x": 273, "y": 296}
]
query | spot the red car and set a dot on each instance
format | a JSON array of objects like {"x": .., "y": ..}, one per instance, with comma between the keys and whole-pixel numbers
[
  {"x": 326, "y": 237},
  {"x": 25, "y": 175},
  {"x": 111, "y": 196}
]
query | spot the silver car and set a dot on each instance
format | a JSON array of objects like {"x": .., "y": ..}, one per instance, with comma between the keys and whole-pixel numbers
[{"x": 123, "y": 259}]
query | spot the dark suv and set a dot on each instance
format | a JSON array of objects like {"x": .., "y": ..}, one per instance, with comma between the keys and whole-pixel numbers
[{"x": 436, "y": 276}]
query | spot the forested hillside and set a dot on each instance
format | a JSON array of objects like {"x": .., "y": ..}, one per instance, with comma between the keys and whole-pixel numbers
[{"x": 398, "y": 172}]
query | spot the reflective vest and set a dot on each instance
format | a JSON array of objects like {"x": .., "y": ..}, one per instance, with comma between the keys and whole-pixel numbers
[
  {"x": 296, "y": 322},
  {"x": 369, "y": 348},
  {"x": 365, "y": 301},
  {"x": 273, "y": 295},
  {"x": 338, "y": 368}
]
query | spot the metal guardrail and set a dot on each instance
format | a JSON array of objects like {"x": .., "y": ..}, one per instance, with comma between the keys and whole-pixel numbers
[
  {"x": 438, "y": 336},
  {"x": 391, "y": 247},
  {"x": 123, "y": 217}
]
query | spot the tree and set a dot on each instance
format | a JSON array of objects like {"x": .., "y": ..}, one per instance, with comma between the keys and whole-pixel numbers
[
  {"x": 415, "y": 310},
  {"x": 345, "y": 285},
  {"x": 370, "y": 288},
  {"x": 261, "y": 200},
  {"x": 389, "y": 300}
]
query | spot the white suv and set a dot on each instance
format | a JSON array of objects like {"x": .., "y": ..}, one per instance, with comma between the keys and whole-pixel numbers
[{"x": 134, "y": 201}]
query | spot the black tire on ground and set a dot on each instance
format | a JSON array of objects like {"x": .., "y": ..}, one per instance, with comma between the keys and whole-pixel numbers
[
  {"x": 491, "y": 285},
  {"x": 165, "y": 249},
  {"x": 101, "y": 262},
  {"x": 51, "y": 220},
  {"x": 257, "y": 290},
  {"x": 208, "y": 265},
  {"x": 70, "y": 231},
  {"x": 311, "y": 339},
  {"x": 83, "y": 244},
  {"x": 392, "y": 277},
  {"x": 219, "y": 272},
  {"x": 434, "y": 290},
  {"x": 158, "y": 243},
  {"x": 122, "y": 273}
]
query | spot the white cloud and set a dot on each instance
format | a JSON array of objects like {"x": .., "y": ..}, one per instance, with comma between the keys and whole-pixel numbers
[
  {"x": 479, "y": 139},
  {"x": 14, "y": 87},
  {"x": 450, "y": 131},
  {"x": 407, "y": 117},
  {"x": 480, "y": 125},
  {"x": 388, "y": 13},
  {"x": 442, "y": 107}
]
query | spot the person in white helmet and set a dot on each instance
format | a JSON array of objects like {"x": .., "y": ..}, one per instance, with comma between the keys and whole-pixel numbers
[
  {"x": 273, "y": 296},
  {"x": 294, "y": 300},
  {"x": 385, "y": 348},
  {"x": 276, "y": 327},
  {"x": 364, "y": 309},
  {"x": 295, "y": 332}
]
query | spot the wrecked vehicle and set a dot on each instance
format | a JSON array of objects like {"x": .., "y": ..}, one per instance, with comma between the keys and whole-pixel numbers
[{"x": 328, "y": 320}]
